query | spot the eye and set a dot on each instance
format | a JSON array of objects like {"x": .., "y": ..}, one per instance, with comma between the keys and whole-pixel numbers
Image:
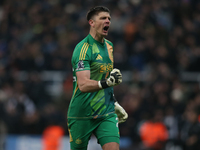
[{"x": 103, "y": 18}]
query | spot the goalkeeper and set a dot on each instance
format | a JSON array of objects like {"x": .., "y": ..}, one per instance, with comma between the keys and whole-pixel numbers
[{"x": 93, "y": 108}]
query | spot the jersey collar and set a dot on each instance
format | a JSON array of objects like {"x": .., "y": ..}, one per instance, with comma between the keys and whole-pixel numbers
[{"x": 97, "y": 42}]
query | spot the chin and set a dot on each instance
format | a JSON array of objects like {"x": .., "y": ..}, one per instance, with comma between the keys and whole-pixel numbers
[{"x": 104, "y": 34}]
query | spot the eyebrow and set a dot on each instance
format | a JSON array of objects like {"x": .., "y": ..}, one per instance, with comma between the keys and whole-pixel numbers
[{"x": 105, "y": 17}]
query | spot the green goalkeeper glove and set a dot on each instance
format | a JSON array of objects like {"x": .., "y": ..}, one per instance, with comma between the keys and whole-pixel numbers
[{"x": 114, "y": 79}]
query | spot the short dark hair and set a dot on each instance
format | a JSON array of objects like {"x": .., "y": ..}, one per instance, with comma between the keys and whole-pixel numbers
[{"x": 95, "y": 10}]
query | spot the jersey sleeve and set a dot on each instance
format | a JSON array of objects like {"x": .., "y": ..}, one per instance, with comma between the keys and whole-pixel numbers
[{"x": 81, "y": 57}]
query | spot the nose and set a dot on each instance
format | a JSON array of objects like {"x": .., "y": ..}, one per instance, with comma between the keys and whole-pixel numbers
[{"x": 107, "y": 20}]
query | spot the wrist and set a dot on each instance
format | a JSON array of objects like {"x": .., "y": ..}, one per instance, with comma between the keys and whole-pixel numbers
[
  {"x": 102, "y": 84},
  {"x": 99, "y": 84}
]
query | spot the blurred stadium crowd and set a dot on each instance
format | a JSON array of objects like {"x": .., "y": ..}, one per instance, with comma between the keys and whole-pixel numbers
[{"x": 155, "y": 41}]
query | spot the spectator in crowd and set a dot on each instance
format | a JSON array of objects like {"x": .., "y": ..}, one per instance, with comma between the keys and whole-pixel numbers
[
  {"x": 153, "y": 132},
  {"x": 3, "y": 134},
  {"x": 190, "y": 132},
  {"x": 52, "y": 137}
]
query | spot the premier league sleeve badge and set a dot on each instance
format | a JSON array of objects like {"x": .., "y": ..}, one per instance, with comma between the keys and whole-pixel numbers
[{"x": 80, "y": 65}]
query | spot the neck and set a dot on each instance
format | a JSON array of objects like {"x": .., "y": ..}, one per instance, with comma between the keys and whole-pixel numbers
[{"x": 96, "y": 36}]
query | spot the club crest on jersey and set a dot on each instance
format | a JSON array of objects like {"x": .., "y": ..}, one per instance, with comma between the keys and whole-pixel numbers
[
  {"x": 78, "y": 141},
  {"x": 80, "y": 65}
]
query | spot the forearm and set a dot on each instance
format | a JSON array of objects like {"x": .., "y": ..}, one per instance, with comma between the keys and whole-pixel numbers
[{"x": 89, "y": 86}]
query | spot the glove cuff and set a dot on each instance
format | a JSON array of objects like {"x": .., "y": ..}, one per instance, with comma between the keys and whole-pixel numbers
[
  {"x": 116, "y": 103},
  {"x": 102, "y": 84}
]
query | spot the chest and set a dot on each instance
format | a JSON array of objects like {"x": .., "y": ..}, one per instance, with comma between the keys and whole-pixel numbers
[{"x": 102, "y": 58}]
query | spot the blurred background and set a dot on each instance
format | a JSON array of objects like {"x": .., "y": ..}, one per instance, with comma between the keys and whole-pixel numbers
[{"x": 156, "y": 47}]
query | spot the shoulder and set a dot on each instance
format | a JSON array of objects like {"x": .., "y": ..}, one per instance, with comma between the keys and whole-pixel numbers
[
  {"x": 81, "y": 49},
  {"x": 82, "y": 45}
]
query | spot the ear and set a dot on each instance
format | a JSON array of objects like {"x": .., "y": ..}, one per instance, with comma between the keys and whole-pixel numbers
[{"x": 91, "y": 22}]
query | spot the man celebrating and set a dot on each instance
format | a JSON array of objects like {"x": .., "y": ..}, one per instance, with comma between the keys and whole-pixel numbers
[{"x": 93, "y": 108}]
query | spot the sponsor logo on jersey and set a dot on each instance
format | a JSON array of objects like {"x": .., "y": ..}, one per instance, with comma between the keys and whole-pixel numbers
[
  {"x": 99, "y": 57},
  {"x": 80, "y": 65},
  {"x": 106, "y": 68}
]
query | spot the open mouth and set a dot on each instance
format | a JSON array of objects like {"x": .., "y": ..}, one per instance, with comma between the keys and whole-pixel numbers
[{"x": 106, "y": 28}]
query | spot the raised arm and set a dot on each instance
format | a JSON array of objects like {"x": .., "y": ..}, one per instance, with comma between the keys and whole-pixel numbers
[{"x": 85, "y": 84}]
